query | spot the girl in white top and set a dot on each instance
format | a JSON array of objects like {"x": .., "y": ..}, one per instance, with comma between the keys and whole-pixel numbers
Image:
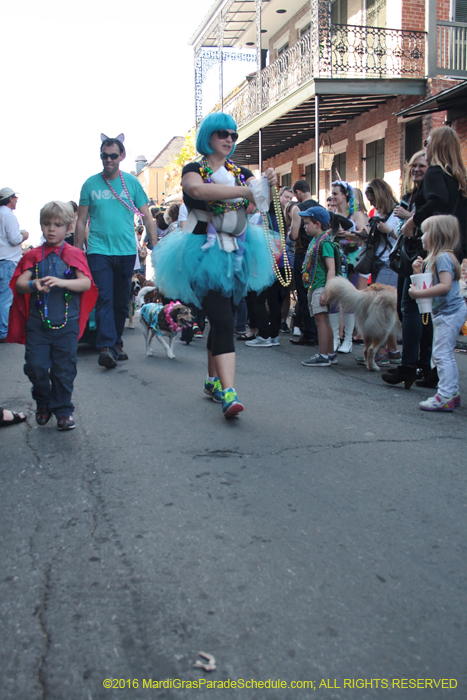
[{"x": 440, "y": 238}]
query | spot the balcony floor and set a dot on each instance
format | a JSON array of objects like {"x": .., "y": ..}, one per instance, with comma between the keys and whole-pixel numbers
[{"x": 340, "y": 101}]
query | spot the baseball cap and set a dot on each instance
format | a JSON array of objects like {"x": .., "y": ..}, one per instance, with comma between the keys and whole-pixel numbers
[
  {"x": 7, "y": 192},
  {"x": 319, "y": 213}
]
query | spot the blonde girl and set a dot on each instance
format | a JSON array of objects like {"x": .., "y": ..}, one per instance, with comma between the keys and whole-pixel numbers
[{"x": 440, "y": 238}]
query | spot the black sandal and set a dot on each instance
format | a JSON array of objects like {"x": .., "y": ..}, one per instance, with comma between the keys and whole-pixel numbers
[{"x": 17, "y": 418}]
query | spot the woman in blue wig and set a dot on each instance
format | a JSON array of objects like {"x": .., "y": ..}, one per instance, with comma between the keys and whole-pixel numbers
[{"x": 217, "y": 258}]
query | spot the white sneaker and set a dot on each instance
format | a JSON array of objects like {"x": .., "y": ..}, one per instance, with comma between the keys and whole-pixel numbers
[
  {"x": 259, "y": 342},
  {"x": 275, "y": 341},
  {"x": 297, "y": 331}
]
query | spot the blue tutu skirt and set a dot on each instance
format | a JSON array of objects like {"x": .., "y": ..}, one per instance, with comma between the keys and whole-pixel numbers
[{"x": 185, "y": 272}]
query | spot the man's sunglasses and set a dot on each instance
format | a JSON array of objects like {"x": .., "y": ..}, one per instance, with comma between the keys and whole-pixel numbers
[
  {"x": 224, "y": 134},
  {"x": 113, "y": 156}
]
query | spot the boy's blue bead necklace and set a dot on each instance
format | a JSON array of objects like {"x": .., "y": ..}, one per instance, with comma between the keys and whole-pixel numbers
[{"x": 44, "y": 303}]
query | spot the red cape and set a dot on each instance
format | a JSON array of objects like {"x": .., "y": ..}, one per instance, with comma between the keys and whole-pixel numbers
[{"x": 19, "y": 313}]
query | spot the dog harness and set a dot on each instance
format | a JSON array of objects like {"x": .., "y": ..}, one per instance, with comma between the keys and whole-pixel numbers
[{"x": 150, "y": 314}]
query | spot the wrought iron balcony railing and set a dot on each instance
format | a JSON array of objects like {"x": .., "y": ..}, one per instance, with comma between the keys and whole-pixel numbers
[
  {"x": 452, "y": 48},
  {"x": 372, "y": 52},
  {"x": 345, "y": 51}
]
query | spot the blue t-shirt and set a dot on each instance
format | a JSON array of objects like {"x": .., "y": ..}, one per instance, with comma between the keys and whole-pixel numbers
[
  {"x": 112, "y": 229},
  {"x": 56, "y": 303},
  {"x": 451, "y": 302}
]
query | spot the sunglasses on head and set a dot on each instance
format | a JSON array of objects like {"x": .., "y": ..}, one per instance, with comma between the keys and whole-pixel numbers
[
  {"x": 224, "y": 134},
  {"x": 112, "y": 156}
]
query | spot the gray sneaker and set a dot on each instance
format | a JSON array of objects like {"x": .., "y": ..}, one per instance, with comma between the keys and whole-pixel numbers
[
  {"x": 259, "y": 342},
  {"x": 333, "y": 358},
  {"x": 275, "y": 341},
  {"x": 317, "y": 361}
]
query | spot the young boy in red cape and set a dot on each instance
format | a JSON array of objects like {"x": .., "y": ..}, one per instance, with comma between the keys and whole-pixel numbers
[{"x": 53, "y": 294}]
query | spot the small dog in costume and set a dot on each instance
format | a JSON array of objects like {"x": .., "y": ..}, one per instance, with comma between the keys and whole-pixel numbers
[
  {"x": 138, "y": 281},
  {"x": 162, "y": 321}
]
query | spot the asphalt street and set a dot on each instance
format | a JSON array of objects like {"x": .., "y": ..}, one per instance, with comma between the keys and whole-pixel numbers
[{"x": 320, "y": 536}]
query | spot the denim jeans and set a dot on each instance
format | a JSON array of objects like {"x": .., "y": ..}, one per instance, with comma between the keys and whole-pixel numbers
[
  {"x": 50, "y": 364},
  {"x": 7, "y": 269},
  {"x": 447, "y": 328},
  {"x": 241, "y": 316},
  {"x": 112, "y": 275}
]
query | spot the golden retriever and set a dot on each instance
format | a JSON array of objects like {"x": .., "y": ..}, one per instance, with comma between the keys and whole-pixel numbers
[{"x": 375, "y": 311}]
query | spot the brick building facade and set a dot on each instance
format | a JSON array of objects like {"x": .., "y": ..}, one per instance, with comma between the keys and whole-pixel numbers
[{"x": 387, "y": 55}]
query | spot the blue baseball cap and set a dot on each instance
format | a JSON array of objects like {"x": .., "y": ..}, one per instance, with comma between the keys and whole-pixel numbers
[{"x": 319, "y": 213}]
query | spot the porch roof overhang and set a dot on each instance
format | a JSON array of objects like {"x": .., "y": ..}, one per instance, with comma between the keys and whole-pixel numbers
[
  {"x": 454, "y": 100},
  {"x": 239, "y": 17},
  {"x": 286, "y": 124}
]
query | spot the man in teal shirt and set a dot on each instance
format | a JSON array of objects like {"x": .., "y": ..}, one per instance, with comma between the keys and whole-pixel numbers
[{"x": 110, "y": 200}]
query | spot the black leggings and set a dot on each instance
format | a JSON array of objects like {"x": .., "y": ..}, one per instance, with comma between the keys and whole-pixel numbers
[{"x": 220, "y": 312}]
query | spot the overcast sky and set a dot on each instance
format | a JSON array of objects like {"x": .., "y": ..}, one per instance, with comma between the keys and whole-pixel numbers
[{"x": 74, "y": 70}]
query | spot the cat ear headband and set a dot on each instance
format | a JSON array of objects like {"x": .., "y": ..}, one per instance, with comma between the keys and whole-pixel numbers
[{"x": 120, "y": 137}]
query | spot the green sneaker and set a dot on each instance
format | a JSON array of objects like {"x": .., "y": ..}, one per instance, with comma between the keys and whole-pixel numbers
[
  {"x": 213, "y": 389},
  {"x": 231, "y": 406},
  {"x": 381, "y": 360}
]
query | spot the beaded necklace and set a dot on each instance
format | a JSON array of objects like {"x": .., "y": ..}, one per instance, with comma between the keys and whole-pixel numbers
[
  {"x": 287, "y": 278},
  {"x": 130, "y": 206},
  {"x": 311, "y": 261},
  {"x": 221, "y": 207},
  {"x": 44, "y": 304}
]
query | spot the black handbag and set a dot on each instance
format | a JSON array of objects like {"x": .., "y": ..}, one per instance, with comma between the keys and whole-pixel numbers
[
  {"x": 367, "y": 261},
  {"x": 405, "y": 251}
]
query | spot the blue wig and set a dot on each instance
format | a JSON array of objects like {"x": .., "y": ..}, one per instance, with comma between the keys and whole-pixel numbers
[
  {"x": 211, "y": 123},
  {"x": 348, "y": 191}
]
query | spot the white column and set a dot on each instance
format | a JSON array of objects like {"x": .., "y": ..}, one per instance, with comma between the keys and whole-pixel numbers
[
  {"x": 220, "y": 48},
  {"x": 259, "y": 93}
]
